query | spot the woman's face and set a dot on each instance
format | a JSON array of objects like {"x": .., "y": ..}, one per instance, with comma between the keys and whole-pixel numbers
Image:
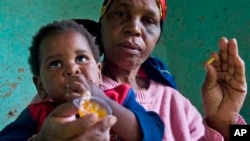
[
  {"x": 130, "y": 30},
  {"x": 64, "y": 56}
]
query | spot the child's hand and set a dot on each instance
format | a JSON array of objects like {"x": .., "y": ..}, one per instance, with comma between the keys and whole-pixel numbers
[{"x": 78, "y": 85}]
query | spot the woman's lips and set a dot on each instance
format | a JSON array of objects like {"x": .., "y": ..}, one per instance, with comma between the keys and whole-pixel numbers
[{"x": 130, "y": 48}]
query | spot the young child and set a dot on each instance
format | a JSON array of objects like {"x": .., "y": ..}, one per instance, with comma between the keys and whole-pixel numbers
[{"x": 64, "y": 60}]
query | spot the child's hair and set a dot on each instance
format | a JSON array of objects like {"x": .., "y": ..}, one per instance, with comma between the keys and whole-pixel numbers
[{"x": 57, "y": 27}]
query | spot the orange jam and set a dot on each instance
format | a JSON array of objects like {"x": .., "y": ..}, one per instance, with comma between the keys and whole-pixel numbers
[{"x": 91, "y": 106}]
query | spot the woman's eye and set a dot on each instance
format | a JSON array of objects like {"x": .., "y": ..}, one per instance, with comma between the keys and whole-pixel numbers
[
  {"x": 149, "y": 20},
  {"x": 120, "y": 14},
  {"x": 55, "y": 64},
  {"x": 81, "y": 59}
]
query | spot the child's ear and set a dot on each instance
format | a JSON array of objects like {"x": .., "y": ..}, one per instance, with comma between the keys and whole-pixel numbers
[
  {"x": 99, "y": 66},
  {"x": 100, "y": 73},
  {"x": 39, "y": 87}
]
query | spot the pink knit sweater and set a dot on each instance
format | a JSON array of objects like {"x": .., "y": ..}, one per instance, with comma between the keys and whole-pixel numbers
[{"x": 182, "y": 120}]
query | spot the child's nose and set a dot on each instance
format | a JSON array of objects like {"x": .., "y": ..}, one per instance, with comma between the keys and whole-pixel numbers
[{"x": 72, "y": 70}]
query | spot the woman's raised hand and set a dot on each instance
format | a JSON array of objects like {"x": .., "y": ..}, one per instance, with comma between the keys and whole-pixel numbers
[{"x": 225, "y": 87}]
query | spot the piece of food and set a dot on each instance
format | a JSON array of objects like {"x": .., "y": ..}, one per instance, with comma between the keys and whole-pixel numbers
[
  {"x": 93, "y": 106},
  {"x": 88, "y": 104}
]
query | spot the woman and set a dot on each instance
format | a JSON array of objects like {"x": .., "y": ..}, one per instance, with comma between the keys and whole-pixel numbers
[{"x": 129, "y": 33}]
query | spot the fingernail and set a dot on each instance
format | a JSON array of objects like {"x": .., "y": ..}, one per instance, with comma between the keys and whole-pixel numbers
[
  {"x": 112, "y": 120},
  {"x": 86, "y": 94},
  {"x": 77, "y": 102},
  {"x": 93, "y": 118},
  {"x": 234, "y": 39},
  {"x": 205, "y": 67},
  {"x": 223, "y": 37}
]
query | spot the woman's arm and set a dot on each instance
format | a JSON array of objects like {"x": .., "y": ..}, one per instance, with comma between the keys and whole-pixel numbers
[
  {"x": 134, "y": 122},
  {"x": 19, "y": 130}
]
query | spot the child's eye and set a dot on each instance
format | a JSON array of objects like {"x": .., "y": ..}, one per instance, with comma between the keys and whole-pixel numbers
[
  {"x": 81, "y": 59},
  {"x": 55, "y": 64}
]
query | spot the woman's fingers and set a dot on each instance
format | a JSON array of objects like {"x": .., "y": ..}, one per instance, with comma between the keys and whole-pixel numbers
[
  {"x": 65, "y": 110},
  {"x": 228, "y": 50},
  {"x": 223, "y": 53},
  {"x": 63, "y": 123}
]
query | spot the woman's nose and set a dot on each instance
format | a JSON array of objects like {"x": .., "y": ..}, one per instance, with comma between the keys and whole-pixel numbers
[
  {"x": 72, "y": 70},
  {"x": 133, "y": 27}
]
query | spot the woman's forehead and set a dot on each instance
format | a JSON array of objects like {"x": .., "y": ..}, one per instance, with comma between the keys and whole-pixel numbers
[
  {"x": 154, "y": 6},
  {"x": 137, "y": 5}
]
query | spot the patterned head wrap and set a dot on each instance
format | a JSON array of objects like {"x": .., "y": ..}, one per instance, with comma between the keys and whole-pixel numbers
[{"x": 161, "y": 3}]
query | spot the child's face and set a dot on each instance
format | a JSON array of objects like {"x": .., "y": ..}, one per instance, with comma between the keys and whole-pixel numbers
[{"x": 63, "y": 56}]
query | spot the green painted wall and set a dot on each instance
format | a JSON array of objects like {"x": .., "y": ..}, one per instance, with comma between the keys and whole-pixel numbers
[{"x": 190, "y": 33}]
